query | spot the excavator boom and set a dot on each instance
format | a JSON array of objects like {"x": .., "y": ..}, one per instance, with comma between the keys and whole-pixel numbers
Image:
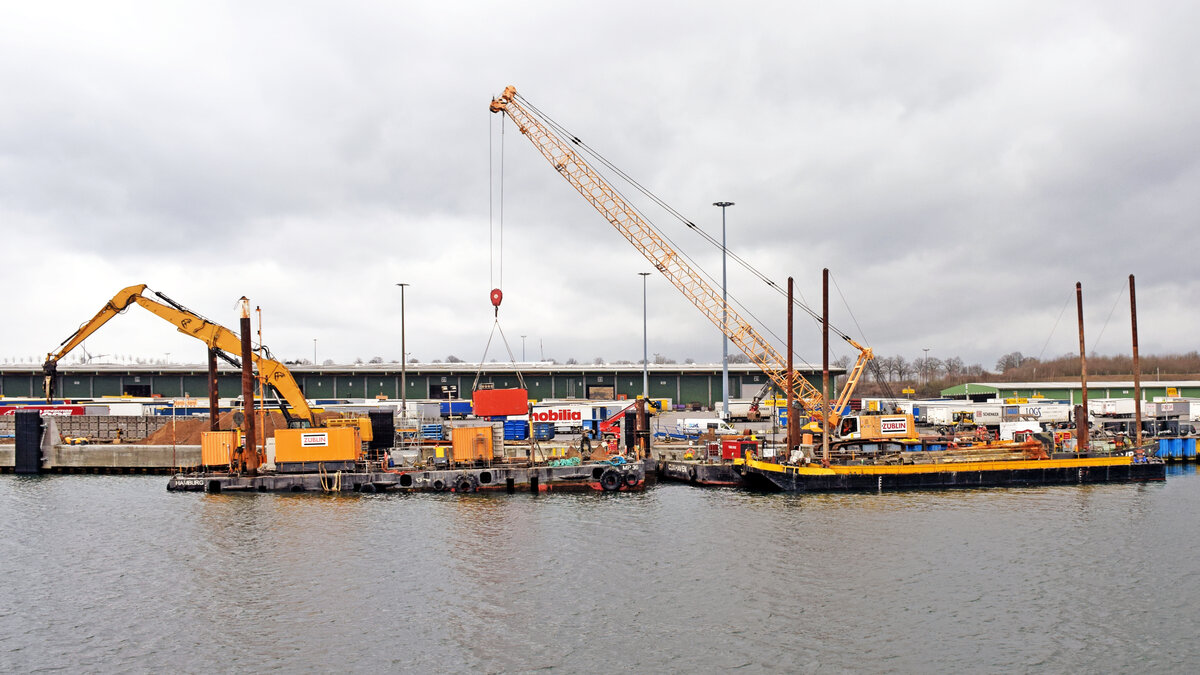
[
  {"x": 187, "y": 322},
  {"x": 630, "y": 224}
]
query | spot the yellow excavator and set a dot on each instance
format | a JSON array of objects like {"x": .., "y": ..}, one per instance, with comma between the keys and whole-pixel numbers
[
  {"x": 218, "y": 338},
  {"x": 306, "y": 445}
]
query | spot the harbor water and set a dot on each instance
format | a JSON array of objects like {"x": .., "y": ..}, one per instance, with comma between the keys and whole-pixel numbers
[{"x": 113, "y": 573}]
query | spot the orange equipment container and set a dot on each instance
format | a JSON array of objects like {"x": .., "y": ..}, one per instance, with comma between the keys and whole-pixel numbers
[
  {"x": 216, "y": 447},
  {"x": 471, "y": 444},
  {"x": 492, "y": 402},
  {"x": 330, "y": 444}
]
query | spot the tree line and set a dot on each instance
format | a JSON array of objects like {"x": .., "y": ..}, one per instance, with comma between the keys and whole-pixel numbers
[{"x": 929, "y": 376}]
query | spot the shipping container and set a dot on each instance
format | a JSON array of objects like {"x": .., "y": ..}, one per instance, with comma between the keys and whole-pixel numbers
[
  {"x": 471, "y": 444},
  {"x": 516, "y": 430}
]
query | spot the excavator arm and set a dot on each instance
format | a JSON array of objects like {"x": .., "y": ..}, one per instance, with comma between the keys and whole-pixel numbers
[
  {"x": 665, "y": 259},
  {"x": 187, "y": 322},
  {"x": 118, "y": 304}
]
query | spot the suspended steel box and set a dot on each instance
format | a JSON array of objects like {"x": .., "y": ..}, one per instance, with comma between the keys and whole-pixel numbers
[{"x": 489, "y": 402}]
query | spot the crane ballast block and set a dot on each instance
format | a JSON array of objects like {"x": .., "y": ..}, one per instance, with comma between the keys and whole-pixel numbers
[{"x": 492, "y": 402}]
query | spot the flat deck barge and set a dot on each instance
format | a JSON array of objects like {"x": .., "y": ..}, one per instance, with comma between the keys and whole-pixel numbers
[
  {"x": 592, "y": 476},
  {"x": 949, "y": 474}
]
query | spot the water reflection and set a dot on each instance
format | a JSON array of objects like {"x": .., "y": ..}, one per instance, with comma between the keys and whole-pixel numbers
[{"x": 112, "y": 573}]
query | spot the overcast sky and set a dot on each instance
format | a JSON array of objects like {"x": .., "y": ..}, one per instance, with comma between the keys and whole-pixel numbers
[{"x": 958, "y": 167}]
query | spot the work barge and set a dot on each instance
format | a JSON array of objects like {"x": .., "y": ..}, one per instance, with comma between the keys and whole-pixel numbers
[{"x": 605, "y": 476}]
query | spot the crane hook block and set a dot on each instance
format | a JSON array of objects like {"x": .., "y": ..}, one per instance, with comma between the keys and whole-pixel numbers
[{"x": 496, "y": 296}]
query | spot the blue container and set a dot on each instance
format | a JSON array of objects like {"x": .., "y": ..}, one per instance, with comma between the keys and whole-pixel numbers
[
  {"x": 1189, "y": 447},
  {"x": 516, "y": 430},
  {"x": 1176, "y": 445},
  {"x": 935, "y": 447},
  {"x": 1163, "y": 448},
  {"x": 455, "y": 408},
  {"x": 543, "y": 431}
]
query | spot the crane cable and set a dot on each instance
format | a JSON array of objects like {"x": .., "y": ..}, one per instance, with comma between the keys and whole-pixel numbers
[
  {"x": 495, "y": 216},
  {"x": 496, "y": 253},
  {"x": 591, "y": 152}
]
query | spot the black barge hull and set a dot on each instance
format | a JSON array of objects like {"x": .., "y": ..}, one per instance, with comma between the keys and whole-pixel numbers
[{"x": 859, "y": 480}]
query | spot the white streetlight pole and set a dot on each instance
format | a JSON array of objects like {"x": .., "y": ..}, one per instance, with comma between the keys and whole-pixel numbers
[
  {"x": 645, "y": 343},
  {"x": 403, "y": 358},
  {"x": 724, "y": 319},
  {"x": 522, "y": 349}
]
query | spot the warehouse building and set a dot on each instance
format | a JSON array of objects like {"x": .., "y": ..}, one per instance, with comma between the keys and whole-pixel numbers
[{"x": 698, "y": 384}]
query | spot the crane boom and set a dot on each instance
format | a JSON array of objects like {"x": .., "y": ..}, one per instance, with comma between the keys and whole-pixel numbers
[
  {"x": 665, "y": 259},
  {"x": 217, "y": 337}
]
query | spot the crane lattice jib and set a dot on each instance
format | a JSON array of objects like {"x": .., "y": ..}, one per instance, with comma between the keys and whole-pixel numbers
[{"x": 652, "y": 245}]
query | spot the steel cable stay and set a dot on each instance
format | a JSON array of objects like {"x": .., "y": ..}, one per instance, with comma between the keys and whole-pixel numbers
[
  {"x": 876, "y": 370},
  {"x": 1116, "y": 301},
  {"x": 487, "y": 347},
  {"x": 712, "y": 240},
  {"x": 1062, "y": 311}
]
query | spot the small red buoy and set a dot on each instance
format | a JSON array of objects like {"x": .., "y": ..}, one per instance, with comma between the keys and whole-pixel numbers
[{"x": 497, "y": 296}]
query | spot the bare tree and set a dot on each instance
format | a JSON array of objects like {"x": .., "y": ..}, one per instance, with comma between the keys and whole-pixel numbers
[{"x": 1009, "y": 361}]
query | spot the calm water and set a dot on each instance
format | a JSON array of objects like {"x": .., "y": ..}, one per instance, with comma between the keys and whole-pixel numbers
[{"x": 112, "y": 573}]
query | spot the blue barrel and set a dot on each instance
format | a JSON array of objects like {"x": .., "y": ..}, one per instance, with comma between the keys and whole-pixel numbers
[
  {"x": 1162, "y": 448},
  {"x": 543, "y": 431},
  {"x": 935, "y": 447},
  {"x": 1176, "y": 445},
  {"x": 1189, "y": 448}
]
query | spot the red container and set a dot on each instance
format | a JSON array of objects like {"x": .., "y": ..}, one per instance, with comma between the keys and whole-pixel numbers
[
  {"x": 490, "y": 402},
  {"x": 731, "y": 448}
]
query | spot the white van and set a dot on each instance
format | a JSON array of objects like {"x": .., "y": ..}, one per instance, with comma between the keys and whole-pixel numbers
[{"x": 702, "y": 425}]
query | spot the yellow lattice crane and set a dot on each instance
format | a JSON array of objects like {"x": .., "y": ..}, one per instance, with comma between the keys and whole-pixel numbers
[{"x": 669, "y": 262}]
